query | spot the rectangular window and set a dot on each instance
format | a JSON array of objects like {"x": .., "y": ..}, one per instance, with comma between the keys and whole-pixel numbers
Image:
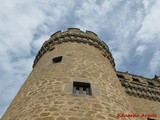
[
  {"x": 81, "y": 88},
  {"x": 57, "y": 59}
]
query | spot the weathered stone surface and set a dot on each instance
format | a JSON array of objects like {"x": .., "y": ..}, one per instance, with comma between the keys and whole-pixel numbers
[
  {"x": 48, "y": 94},
  {"x": 46, "y": 118},
  {"x": 61, "y": 118},
  {"x": 138, "y": 88}
]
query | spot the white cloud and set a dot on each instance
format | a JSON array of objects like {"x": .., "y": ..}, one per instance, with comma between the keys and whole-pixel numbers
[
  {"x": 94, "y": 16},
  {"x": 147, "y": 4},
  {"x": 148, "y": 38},
  {"x": 141, "y": 49},
  {"x": 18, "y": 20},
  {"x": 154, "y": 64},
  {"x": 150, "y": 26}
]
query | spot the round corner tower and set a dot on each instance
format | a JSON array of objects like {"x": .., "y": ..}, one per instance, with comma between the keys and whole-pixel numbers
[{"x": 73, "y": 78}]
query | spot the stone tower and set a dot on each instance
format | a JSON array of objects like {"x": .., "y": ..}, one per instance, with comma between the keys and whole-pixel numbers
[{"x": 73, "y": 78}]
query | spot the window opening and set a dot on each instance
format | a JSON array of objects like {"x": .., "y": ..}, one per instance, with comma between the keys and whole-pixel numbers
[
  {"x": 150, "y": 119},
  {"x": 120, "y": 76},
  {"x": 150, "y": 83},
  {"x": 135, "y": 79},
  {"x": 57, "y": 59},
  {"x": 81, "y": 88}
]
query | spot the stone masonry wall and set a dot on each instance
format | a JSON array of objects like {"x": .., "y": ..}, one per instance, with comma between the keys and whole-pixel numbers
[
  {"x": 143, "y": 94},
  {"x": 47, "y": 93},
  {"x": 144, "y": 106}
]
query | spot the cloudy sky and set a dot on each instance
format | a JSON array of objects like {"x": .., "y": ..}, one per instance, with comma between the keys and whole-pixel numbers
[{"x": 131, "y": 29}]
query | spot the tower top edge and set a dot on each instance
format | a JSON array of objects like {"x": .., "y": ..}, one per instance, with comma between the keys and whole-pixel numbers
[
  {"x": 75, "y": 30},
  {"x": 75, "y": 35}
]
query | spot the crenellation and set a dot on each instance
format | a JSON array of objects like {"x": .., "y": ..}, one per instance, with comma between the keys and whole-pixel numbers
[
  {"x": 56, "y": 34},
  {"x": 91, "y": 34},
  {"x": 73, "y": 35},
  {"x": 73, "y": 30}
]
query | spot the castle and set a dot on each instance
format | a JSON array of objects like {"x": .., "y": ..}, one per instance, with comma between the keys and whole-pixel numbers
[{"x": 74, "y": 78}]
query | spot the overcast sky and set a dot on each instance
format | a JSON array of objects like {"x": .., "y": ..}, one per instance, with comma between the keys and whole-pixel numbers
[{"x": 131, "y": 29}]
